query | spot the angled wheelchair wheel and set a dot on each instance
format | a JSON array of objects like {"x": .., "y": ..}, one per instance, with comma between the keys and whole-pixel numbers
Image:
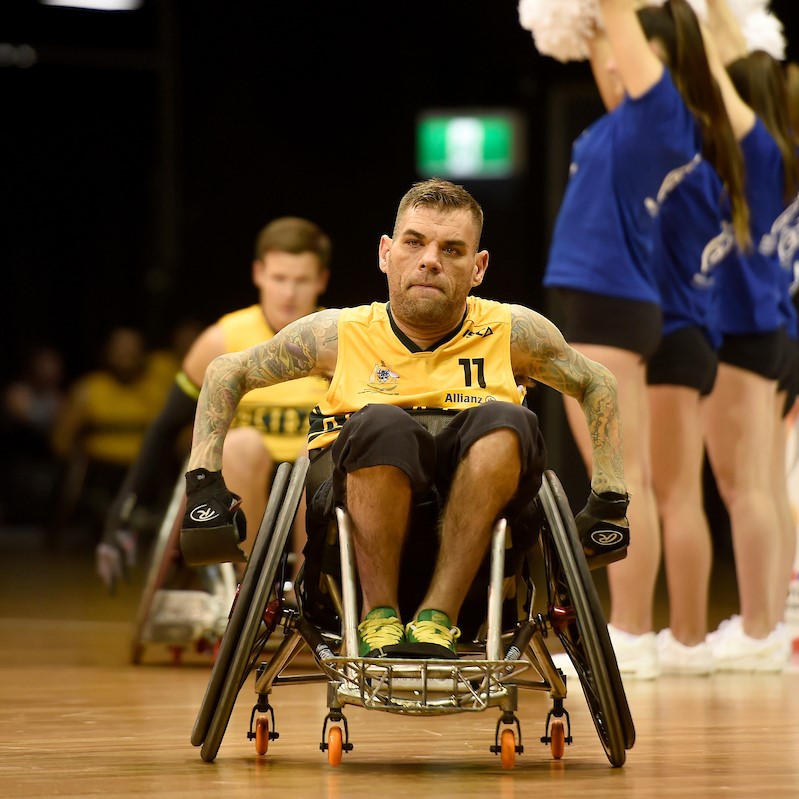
[
  {"x": 161, "y": 561},
  {"x": 579, "y": 623},
  {"x": 241, "y": 606},
  {"x": 255, "y": 631}
]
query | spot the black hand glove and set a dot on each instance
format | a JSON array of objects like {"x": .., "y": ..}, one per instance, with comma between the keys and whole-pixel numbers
[
  {"x": 209, "y": 504},
  {"x": 603, "y": 528}
]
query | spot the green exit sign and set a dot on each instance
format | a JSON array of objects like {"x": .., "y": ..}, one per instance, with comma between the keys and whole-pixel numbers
[{"x": 470, "y": 144}]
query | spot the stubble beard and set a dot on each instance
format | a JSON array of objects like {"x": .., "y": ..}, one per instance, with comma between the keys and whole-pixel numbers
[{"x": 434, "y": 311}]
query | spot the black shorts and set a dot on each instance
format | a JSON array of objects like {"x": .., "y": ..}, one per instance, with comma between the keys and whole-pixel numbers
[
  {"x": 387, "y": 435},
  {"x": 384, "y": 435},
  {"x": 761, "y": 353},
  {"x": 788, "y": 379},
  {"x": 611, "y": 321},
  {"x": 684, "y": 358}
]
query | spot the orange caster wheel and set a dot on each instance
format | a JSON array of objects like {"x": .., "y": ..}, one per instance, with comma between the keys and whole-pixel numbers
[
  {"x": 557, "y": 735},
  {"x": 508, "y": 749},
  {"x": 261, "y": 735},
  {"x": 335, "y": 746}
]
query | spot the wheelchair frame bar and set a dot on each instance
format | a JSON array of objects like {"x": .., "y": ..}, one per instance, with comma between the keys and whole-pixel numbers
[
  {"x": 348, "y": 583},
  {"x": 494, "y": 634}
]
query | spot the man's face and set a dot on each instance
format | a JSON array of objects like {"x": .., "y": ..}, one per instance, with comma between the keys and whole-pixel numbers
[
  {"x": 289, "y": 285},
  {"x": 431, "y": 265}
]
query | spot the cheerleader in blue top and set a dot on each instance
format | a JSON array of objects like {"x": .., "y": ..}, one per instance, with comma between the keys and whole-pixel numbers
[
  {"x": 695, "y": 231},
  {"x": 743, "y": 412},
  {"x": 599, "y": 263},
  {"x": 789, "y": 258},
  {"x": 787, "y": 242}
]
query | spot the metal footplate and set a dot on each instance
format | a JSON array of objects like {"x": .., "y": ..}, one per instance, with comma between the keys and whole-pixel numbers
[
  {"x": 425, "y": 687},
  {"x": 207, "y": 545}
]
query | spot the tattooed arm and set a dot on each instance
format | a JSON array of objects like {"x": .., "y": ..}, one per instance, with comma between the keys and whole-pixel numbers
[
  {"x": 540, "y": 353},
  {"x": 303, "y": 348}
]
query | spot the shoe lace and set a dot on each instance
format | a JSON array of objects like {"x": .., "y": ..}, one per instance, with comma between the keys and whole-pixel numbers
[
  {"x": 431, "y": 632},
  {"x": 381, "y": 632}
]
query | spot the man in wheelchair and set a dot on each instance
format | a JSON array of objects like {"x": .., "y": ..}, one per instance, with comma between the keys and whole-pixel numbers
[{"x": 431, "y": 347}]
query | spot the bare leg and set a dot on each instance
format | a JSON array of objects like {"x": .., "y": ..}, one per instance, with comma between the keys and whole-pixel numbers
[
  {"x": 739, "y": 420},
  {"x": 632, "y": 580},
  {"x": 484, "y": 482},
  {"x": 787, "y": 529},
  {"x": 247, "y": 467},
  {"x": 677, "y": 461},
  {"x": 379, "y": 504}
]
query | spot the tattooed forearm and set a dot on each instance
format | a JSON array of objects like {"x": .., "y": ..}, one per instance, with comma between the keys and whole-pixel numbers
[
  {"x": 541, "y": 354},
  {"x": 223, "y": 388},
  {"x": 600, "y": 406}
]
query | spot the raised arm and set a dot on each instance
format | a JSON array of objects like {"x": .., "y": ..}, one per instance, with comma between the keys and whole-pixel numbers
[
  {"x": 726, "y": 32},
  {"x": 638, "y": 66},
  {"x": 303, "y": 348},
  {"x": 540, "y": 353},
  {"x": 725, "y": 43}
]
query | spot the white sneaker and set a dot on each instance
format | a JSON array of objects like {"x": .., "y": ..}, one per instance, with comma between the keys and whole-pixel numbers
[
  {"x": 677, "y": 658},
  {"x": 734, "y": 650},
  {"x": 792, "y": 612},
  {"x": 636, "y": 655},
  {"x": 723, "y": 629}
]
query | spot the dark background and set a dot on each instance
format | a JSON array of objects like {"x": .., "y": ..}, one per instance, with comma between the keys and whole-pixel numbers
[{"x": 142, "y": 151}]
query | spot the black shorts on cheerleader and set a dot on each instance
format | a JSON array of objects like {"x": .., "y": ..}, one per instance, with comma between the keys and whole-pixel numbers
[
  {"x": 761, "y": 353},
  {"x": 685, "y": 357},
  {"x": 611, "y": 321},
  {"x": 788, "y": 379}
]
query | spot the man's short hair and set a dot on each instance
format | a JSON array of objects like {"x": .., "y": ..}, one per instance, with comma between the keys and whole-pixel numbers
[
  {"x": 439, "y": 193},
  {"x": 295, "y": 235}
]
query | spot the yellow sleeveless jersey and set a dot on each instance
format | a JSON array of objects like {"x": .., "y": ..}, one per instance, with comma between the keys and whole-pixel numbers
[
  {"x": 116, "y": 415},
  {"x": 377, "y": 363},
  {"x": 280, "y": 412}
]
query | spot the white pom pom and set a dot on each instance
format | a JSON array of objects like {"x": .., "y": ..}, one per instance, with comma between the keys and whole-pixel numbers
[
  {"x": 560, "y": 28},
  {"x": 741, "y": 9},
  {"x": 763, "y": 31}
]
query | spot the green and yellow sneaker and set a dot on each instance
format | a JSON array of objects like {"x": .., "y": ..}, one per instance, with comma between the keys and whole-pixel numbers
[
  {"x": 433, "y": 630},
  {"x": 380, "y": 628}
]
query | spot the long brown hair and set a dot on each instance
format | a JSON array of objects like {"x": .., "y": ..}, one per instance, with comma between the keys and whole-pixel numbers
[
  {"x": 675, "y": 25},
  {"x": 792, "y": 91},
  {"x": 760, "y": 81}
]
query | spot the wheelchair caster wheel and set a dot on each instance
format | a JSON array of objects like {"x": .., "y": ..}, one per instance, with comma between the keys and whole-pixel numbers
[
  {"x": 261, "y": 735},
  {"x": 507, "y": 744},
  {"x": 335, "y": 746},
  {"x": 557, "y": 734}
]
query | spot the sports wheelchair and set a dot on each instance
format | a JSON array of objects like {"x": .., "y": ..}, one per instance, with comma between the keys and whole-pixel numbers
[{"x": 488, "y": 672}]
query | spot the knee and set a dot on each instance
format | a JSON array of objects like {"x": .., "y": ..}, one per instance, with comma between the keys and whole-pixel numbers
[
  {"x": 499, "y": 445},
  {"x": 506, "y": 431},
  {"x": 245, "y": 451}
]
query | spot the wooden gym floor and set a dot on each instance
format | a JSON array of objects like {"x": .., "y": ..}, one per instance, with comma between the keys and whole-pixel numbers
[{"x": 78, "y": 720}]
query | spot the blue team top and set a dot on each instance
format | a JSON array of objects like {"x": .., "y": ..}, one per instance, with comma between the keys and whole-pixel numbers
[
  {"x": 784, "y": 237},
  {"x": 689, "y": 240},
  {"x": 750, "y": 287},
  {"x": 602, "y": 237}
]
